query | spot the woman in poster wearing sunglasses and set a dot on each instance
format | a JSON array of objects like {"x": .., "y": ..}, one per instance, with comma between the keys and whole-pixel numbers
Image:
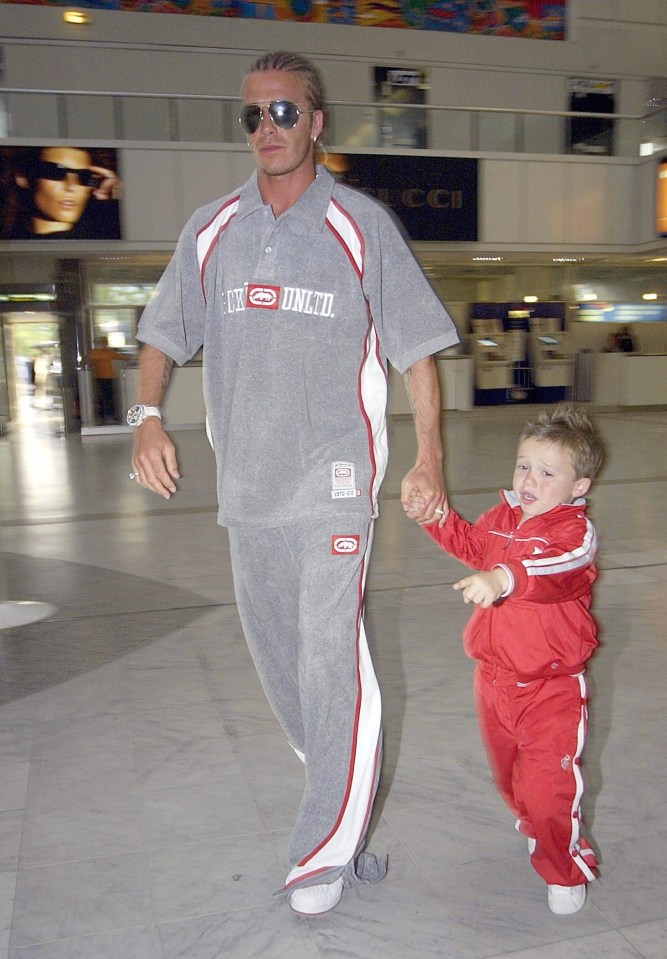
[{"x": 53, "y": 187}]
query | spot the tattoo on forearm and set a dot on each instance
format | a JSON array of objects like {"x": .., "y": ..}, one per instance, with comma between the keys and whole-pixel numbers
[
  {"x": 408, "y": 387},
  {"x": 166, "y": 373}
]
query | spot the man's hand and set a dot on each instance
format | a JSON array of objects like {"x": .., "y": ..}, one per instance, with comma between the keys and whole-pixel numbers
[
  {"x": 154, "y": 458},
  {"x": 484, "y": 588},
  {"x": 425, "y": 480},
  {"x": 423, "y": 495}
]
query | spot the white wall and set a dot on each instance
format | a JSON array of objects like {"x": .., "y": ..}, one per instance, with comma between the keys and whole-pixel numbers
[
  {"x": 560, "y": 202},
  {"x": 528, "y": 203},
  {"x": 532, "y": 204},
  {"x": 162, "y": 188}
]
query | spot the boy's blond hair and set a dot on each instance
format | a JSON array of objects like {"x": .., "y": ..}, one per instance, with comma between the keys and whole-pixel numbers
[{"x": 571, "y": 429}]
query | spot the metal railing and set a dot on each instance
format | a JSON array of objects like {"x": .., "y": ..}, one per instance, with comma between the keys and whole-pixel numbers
[{"x": 34, "y": 115}]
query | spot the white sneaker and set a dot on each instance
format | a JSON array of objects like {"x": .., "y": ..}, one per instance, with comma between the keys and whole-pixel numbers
[
  {"x": 532, "y": 843},
  {"x": 314, "y": 900},
  {"x": 566, "y": 900}
]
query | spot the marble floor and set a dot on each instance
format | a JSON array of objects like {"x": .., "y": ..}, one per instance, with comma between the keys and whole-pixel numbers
[{"x": 146, "y": 793}]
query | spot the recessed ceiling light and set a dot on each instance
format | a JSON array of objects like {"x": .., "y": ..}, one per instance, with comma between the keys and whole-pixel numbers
[{"x": 77, "y": 16}]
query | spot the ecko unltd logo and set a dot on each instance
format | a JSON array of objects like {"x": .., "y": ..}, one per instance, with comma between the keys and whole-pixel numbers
[
  {"x": 262, "y": 297},
  {"x": 345, "y": 545}
]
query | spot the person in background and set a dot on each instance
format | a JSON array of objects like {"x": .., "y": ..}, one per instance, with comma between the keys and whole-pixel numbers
[
  {"x": 104, "y": 365},
  {"x": 299, "y": 289},
  {"x": 625, "y": 340},
  {"x": 532, "y": 634}
]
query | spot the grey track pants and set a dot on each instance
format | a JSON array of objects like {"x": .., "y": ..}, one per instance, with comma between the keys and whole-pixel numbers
[{"x": 300, "y": 591}]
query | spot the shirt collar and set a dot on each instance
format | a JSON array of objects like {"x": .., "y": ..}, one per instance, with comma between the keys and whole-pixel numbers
[
  {"x": 309, "y": 211},
  {"x": 513, "y": 501}
]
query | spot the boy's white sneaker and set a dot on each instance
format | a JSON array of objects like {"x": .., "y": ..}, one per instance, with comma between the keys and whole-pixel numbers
[
  {"x": 532, "y": 843},
  {"x": 566, "y": 900},
  {"x": 315, "y": 900}
]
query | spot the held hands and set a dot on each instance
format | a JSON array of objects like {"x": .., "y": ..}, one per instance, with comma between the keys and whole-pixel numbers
[
  {"x": 154, "y": 458},
  {"x": 484, "y": 588},
  {"x": 416, "y": 508},
  {"x": 423, "y": 496}
]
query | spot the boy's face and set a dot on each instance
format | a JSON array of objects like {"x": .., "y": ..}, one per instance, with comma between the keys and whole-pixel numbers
[{"x": 544, "y": 477}]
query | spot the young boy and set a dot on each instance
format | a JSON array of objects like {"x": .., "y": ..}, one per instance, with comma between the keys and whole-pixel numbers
[{"x": 531, "y": 634}]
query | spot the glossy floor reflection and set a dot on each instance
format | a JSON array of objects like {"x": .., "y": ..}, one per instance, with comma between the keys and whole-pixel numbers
[{"x": 146, "y": 793}]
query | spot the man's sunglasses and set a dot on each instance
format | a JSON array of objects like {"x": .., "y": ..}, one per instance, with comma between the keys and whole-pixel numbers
[
  {"x": 284, "y": 114},
  {"x": 46, "y": 170}
]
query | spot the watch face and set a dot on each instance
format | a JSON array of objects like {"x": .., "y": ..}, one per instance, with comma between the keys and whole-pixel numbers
[{"x": 135, "y": 415}]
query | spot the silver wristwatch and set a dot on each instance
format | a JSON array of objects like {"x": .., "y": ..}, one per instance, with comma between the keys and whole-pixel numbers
[{"x": 137, "y": 414}]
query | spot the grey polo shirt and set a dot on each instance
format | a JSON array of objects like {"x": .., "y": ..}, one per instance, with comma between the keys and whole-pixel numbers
[{"x": 297, "y": 317}]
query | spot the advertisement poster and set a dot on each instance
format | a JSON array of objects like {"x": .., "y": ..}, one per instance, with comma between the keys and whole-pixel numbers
[
  {"x": 661, "y": 200},
  {"x": 59, "y": 193},
  {"x": 400, "y": 91},
  {"x": 435, "y": 198},
  {"x": 591, "y": 134}
]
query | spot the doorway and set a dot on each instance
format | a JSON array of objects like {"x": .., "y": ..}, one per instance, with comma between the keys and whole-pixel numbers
[{"x": 33, "y": 371}]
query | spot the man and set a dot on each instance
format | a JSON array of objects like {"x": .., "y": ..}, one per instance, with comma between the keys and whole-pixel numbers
[{"x": 298, "y": 288}]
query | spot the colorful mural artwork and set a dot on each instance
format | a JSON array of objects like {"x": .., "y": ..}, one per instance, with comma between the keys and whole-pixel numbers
[{"x": 527, "y": 19}]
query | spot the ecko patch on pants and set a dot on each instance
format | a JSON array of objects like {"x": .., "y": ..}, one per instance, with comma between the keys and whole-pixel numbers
[
  {"x": 343, "y": 483},
  {"x": 344, "y": 544}
]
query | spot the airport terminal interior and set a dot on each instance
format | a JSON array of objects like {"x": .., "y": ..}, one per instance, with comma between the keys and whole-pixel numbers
[{"x": 147, "y": 793}]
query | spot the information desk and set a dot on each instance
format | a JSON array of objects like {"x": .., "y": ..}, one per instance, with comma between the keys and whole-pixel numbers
[{"x": 629, "y": 379}]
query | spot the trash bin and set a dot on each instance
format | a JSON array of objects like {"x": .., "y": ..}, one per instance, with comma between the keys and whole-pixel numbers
[{"x": 86, "y": 397}]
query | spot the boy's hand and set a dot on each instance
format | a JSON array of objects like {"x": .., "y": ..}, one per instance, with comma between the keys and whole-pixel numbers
[
  {"x": 484, "y": 588},
  {"x": 417, "y": 504}
]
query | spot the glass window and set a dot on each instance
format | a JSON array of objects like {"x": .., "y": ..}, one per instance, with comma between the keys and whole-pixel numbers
[
  {"x": 118, "y": 325},
  {"x": 125, "y": 294}
]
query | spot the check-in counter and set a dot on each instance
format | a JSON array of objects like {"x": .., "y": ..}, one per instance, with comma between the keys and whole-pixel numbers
[
  {"x": 494, "y": 361},
  {"x": 629, "y": 379},
  {"x": 550, "y": 360}
]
